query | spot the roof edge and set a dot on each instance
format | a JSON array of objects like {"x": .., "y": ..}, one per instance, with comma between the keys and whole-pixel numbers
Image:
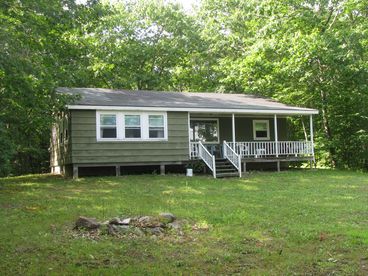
[{"x": 196, "y": 110}]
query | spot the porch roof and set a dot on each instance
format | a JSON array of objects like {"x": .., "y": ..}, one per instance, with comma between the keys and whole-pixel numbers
[{"x": 108, "y": 99}]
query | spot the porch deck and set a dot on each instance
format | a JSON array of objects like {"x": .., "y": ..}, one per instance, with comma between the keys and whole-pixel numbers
[
  {"x": 241, "y": 153},
  {"x": 207, "y": 141},
  {"x": 260, "y": 151}
]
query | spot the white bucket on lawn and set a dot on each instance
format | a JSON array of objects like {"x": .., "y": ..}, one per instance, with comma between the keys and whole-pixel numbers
[{"x": 189, "y": 172}]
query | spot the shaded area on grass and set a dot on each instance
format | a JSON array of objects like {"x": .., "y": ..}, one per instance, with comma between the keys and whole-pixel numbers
[{"x": 291, "y": 222}]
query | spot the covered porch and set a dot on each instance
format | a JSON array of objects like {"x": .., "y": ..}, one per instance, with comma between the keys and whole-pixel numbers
[{"x": 246, "y": 138}]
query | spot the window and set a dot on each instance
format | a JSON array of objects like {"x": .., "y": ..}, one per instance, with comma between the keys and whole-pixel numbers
[
  {"x": 261, "y": 130},
  {"x": 204, "y": 130},
  {"x": 108, "y": 126},
  {"x": 156, "y": 126},
  {"x": 132, "y": 126}
]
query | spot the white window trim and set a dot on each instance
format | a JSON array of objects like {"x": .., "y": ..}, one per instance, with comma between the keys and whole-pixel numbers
[
  {"x": 120, "y": 126},
  {"x": 208, "y": 119},
  {"x": 254, "y": 130},
  {"x": 116, "y": 126}
]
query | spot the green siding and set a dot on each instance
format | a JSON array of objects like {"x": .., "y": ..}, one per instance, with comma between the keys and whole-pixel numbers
[
  {"x": 86, "y": 149},
  {"x": 244, "y": 129},
  {"x": 83, "y": 147}
]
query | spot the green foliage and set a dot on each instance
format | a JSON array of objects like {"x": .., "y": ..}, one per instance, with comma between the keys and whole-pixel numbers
[
  {"x": 306, "y": 53},
  {"x": 31, "y": 66},
  {"x": 197, "y": 166},
  {"x": 290, "y": 223},
  {"x": 7, "y": 149}
]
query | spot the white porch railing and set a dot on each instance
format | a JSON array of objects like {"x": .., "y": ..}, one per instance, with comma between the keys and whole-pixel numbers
[
  {"x": 232, "y": 156},
  {"x": 263, "y": 149},
  {"x": 194, "y": 150},
  {"x": 207, "y": 157}
]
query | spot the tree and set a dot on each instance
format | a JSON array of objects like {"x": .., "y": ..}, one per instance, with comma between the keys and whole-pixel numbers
[
  {"x": 29, "y": 73},
  {"x": 307, "y": 53},
  {"x": 303, "y": 52}
]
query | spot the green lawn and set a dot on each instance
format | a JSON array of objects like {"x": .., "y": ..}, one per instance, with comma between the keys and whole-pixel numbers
[{"x": 296, "y": 222}]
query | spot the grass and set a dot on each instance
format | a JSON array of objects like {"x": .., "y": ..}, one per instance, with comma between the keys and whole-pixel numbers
[{"x": 296, "y": 222}]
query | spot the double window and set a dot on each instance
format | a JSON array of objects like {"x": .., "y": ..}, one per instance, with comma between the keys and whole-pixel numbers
[{"x": 132, "y": 126}]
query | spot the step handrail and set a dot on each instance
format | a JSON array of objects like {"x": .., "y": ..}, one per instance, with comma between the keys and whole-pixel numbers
[
  {"x": 207, "y": 157},
  {"x": 233, "y": 157}
]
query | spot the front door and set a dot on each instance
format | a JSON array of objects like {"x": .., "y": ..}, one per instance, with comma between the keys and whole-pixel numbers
[{"x": 206, "y": 130}]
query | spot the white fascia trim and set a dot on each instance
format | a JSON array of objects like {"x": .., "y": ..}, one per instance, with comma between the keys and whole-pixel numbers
[{"x": 194, "y": 110}]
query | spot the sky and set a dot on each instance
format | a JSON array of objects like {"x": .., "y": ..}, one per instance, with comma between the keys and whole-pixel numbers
[{"x": 187, "y": 4}]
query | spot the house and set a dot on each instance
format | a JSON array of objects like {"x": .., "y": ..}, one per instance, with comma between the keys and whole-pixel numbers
[{"x": 120, "y": 128}]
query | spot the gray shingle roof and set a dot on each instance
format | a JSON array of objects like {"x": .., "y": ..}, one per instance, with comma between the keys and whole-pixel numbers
[{"x": 172, "y": 100}]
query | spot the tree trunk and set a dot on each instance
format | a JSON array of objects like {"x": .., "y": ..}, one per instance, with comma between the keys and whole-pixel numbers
[
  {"x": 327, "y": 129},
  {"x": 304, "y": 129}
]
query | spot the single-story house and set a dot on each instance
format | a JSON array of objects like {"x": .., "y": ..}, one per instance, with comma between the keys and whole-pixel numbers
[{"x": 121, "y": 128}]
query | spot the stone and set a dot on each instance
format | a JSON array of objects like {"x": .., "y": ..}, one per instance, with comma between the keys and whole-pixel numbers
[
  {"x": 136, "y": 231},
  {"x": 167, "y": 217},
  {"x": 111, "y": 229},
  {"x": 145, "y": 219},
  {"x": 154, "y": 231},
  {"x": 176, "y": 225},
  {"x": 126, "y": 221},
  {"x": 115, "y": 221},
  {"x": 148, "y": 221},
  {"x": 153, "y": 226},
  {"x": 114, "y": 229},
  {"x": 87, "y": 223},
  {"x": 123, "y": 229}
]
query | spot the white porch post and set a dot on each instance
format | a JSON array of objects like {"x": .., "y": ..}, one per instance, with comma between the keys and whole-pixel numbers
[
  {"x": 189, "y": 145},
  {"x": 233, "y": 128},
  {"x": 276, "y": 137},
  {"x": 311, "y": 134}
]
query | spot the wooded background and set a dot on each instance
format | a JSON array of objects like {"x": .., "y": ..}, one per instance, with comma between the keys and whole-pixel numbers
[{"x": 306, "y": 53}]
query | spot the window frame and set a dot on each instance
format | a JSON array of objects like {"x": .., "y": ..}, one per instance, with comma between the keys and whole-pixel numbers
[
  {"x": 98, "y": 124},
  {"x": 140, "y": 127},
  {"x": 149, "y": 126},
  {"x": 268, "y": 130},
  {"x": 120, "y": 126},
  {"x": 207, "y": 119}
]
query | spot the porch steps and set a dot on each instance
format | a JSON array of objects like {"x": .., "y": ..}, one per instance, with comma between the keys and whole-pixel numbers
[{"x": 225, "y": 169}]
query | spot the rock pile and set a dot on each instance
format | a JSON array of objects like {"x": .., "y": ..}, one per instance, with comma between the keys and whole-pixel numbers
[{"x": 136, "y": 226}]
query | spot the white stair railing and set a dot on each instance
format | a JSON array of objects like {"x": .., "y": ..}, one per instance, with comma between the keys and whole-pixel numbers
[
  {"x": 232, "y": 156},
  {"x": 207, "y": 157}
]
